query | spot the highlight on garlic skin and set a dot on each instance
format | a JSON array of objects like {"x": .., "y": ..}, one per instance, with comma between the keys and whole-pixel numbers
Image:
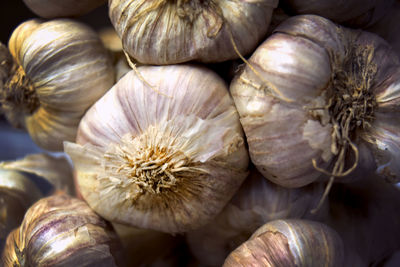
[
  {"x": 290, "y": 243},
  {"x": 318, "y": 100},
  {"x": 163, "y": 149},
  {"x": 257, "y": 201},
  {"x": 65, "y": 8},
  {"x": 354, "y": 13},
  {"x": 62, "y": 231},
  {"x": 187, "y": 30},
  {"x": 60, "y": 69},
  {"x": 17, "y": 194}
]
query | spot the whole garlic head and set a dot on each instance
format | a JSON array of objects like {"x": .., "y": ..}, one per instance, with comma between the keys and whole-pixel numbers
[
  {"x": 61, "y": 231},
  {"x": 294, "y": 243},
  {"x": 65, "y": 8},
  {"x": 168, "y": 32},
  {"x": 318, "y": 100},
  {"x": 163, "y": 149},
  {"x": 61, "y": 68}
]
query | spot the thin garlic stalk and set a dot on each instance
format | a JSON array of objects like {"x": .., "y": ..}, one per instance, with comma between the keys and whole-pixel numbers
[
  {"x": 163, "y": 149},
  {"x": 62, "y": 231},
  {"x": 60, "y": 69},
  {"x": 189, "y": 29},
  {"x": 320, "y": 101},
  {"x": 257, "y": 202}
]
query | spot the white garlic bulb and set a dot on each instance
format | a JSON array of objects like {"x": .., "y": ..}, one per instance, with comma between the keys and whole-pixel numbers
[
  {"x": 65, "y": 8},
  {"x": 355, "y": 13},
  {"x": 62, "y": 231},
  {"x": 258, "y": 201},
  {"x": 17, "y": 193},
  {"x": 297, "y": 243},
  {"x": 317, "y": 100},
  {"x": 163, "y": 149},
  {"x": 168, "y": 32},
  {"x": 61, "y": 69}
]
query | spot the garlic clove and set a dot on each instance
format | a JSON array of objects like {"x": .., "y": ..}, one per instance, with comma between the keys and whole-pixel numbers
[
  {"x": 66, "y": 8},
  {"x": 56, "y": 64},
  {"x": 61, "y": 231},
  {"x": 181, "y": 121},
  {"x": 290, "y": 243},
  {"x": 189, "y": 30}
]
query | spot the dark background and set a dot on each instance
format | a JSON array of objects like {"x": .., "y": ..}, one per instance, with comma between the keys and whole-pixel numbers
[{"x": 14, "y": 12}]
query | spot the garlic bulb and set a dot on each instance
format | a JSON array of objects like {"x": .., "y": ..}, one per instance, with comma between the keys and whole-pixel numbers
[
  {"x": 61, "y": 231},
  {"x": 17, "y": 193},
  {"x": 317, "y": 100},
  {"x": 355, "y": 13},
  {"x": 163, "y": 149},
  {"x": 168, "y": 32},
  {"x": 65, "y": 8},
  {"x": 290, "y": 243},
  {"x": 258, "y": 201},
  {"x": 61, "y": 68}
]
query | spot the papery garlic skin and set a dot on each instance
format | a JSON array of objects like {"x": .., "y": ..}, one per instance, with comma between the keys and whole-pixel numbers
[
  {"x": 285, "y": 107},
  {"x": 6, "y": 63},
  {"x": 61, "y": 231},
  {"x": 17, "y": 193},
  {"x": 290, "y": 243},
  {"x": 257, "y": 202},
  {"x": 355, "y": 13},
  {"x": 168, "y": 32},
  {"x": 175, "y": 125},
  {"x": 65, "y": 8},
  {"x": 61, "y": 69}
]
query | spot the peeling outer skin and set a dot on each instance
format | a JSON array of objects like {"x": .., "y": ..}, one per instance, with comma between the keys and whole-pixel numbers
[{"x": 292, "y": 78}]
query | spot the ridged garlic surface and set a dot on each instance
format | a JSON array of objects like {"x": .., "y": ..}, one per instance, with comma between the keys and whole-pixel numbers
[
  {"x": 167, "y": 32},
  {"x": 65, "y": 8},
  {"x": 290, "y": 243},
  {"x": 17, "y": 193},
  {"x": 61, "y": 231},
  {"x": 61, "y": 68},
  {"x": 318, "y": 100},
  {"x": 163, "y": 149},
  {"x": 354, "y": 13},
  {"x": 257, "y": 202}
]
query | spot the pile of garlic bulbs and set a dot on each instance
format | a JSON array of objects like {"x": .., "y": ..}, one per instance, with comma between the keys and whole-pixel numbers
[{"x": 202, "y": 133}]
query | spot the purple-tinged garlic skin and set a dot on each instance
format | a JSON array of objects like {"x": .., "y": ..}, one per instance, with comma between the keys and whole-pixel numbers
[
  {"x": 293, "y": 242},
  {"x": 320, "y": 100},
  {"x": 62, "y": 231},
  {"x": 163, "y": 149},
  {"x": 66, "y": 8},
  {"x": 257, "y": 202},
  {"x": 60, "y": 69},
  {"x": 167, "y": 32},
  {"x": 352, "y": 13}
]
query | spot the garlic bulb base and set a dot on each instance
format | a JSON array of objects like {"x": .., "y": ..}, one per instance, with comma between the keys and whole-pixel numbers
[{"x": 18, "y": 97}]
